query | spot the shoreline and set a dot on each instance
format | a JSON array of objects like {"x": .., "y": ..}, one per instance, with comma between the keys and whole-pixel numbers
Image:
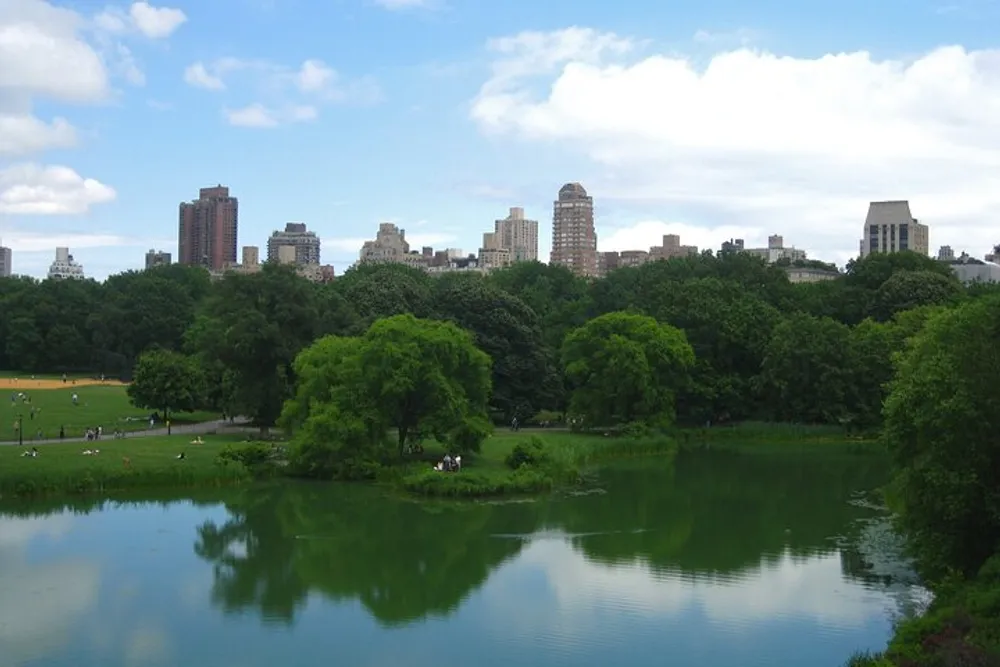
[{"x": 564, "y": 458}]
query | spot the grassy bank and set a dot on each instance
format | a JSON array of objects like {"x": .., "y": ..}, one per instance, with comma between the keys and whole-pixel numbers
[
  {"x": 524, "y": 463},
  {"x": 151, "y": 462},
  {"x": 961, "y": 628},
  {"x": 764, "y": 436},
  {"x": 50, "y": 410}
]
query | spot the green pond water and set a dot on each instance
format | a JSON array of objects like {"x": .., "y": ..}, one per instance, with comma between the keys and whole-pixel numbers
[{"x": 723, "y": 559}]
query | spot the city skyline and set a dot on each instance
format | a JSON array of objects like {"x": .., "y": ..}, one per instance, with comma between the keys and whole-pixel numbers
[{"x": 349, "y": 114}]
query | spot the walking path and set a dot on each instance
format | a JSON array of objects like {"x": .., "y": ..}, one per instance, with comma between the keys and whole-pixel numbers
[{"x": 240, "y": 425}]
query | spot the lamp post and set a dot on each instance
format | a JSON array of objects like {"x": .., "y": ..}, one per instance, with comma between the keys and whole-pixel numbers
[{"x": 20, "y": 430}]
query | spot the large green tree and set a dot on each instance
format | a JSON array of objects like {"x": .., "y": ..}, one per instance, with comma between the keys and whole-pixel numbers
[
  {"x": 942, "y": 420},
  {"x": 166, "y": 381},
  {"x": 252, "y": 327},
  {"x": 808, "y": 372},
  {"x": 626, "y": 367},
  {"x": 406, "y": 375}
]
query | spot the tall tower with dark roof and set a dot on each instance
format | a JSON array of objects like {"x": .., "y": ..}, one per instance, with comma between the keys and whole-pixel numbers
[{"x": 574, "y": 240}]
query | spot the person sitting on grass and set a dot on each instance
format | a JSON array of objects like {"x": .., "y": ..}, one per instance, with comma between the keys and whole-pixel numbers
[
  {"x": 198, "y": 441},
  {"x": 181, "y": 456},
  {"x": 32, "y": 453}
]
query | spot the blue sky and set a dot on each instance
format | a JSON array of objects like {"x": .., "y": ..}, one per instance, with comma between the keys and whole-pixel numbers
[{"x": 711, "y": 120}]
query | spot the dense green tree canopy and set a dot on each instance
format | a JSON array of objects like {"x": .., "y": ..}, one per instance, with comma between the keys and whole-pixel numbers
[
  {"x": 942, "y": 425},
  {"x": 166, "y": 381},
  {"x": 625, "y": 368},
  {"x": 246, "y": 330},
  {"x": 406, "y": 374}
]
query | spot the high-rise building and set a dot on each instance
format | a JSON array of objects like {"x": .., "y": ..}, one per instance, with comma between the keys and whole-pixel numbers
[
  {"x": 518, "y": 235},
  {"x": 305, "y": 245},
  {"x": 64, "y": 267},
  {"x": 574, "y": 240},
  {"x": 890, "y": 227},
  {"x": 157, "y": 258},
  {"x": 6, "y": 267},
  {"x": 207, "y": 229}
]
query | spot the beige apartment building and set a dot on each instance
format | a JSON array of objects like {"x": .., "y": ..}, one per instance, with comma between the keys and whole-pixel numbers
[
  {"x": 519, "y": 235},
  {"x": 493, "y": 254},
  {"x": 574, "y": 239},
  {"x": 891, "y": 227},
  {"x": 390, "y": 245},
  {"x": 672, "y": 248}
]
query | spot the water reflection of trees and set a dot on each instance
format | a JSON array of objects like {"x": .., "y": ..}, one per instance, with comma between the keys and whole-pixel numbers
[
  {"x": 402, "y": 560},
  {"x": 722, "y": 513},
  {"x": 714, "y": 515}
]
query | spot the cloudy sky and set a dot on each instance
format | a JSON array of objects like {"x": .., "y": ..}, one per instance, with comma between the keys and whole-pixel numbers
[{"x": 713, "y": 120}]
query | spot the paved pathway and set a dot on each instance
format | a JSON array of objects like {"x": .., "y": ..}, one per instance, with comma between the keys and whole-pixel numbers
[{"x": 223, "y": 426}]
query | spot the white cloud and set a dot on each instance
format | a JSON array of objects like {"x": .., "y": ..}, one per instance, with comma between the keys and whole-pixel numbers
[
  {"x": 198, "y": 76},
  {"x": 292, "y": 94},
  {"x": 42, "y": 54},
  {"x": 156, "y": 22},
  {"x": 53, "y": 53},
  {"x": 755, "y": 140},
  {"x": 259, "y": 116},
  {"x": 127, "y": 67},
  {"x": 142, "y": 18},
  {"x": 30, "y": 189},
  {"x": 25, "y": 134},
  {"x": 314, "y": 75}
]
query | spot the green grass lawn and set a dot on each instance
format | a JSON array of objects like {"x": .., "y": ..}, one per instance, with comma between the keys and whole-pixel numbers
[
  {"x": 152, "y": 461},
  {"x": 99, "y": 405}
]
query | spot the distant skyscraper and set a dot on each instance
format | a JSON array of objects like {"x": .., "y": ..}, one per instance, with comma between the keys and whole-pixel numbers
[
  {"x": 518, "y": 235},
  {"x": 207, "y": 229},
  {"x": 574, "y": 240},
  {"x": 890, "y": 227},
  {"x": 64, "y": 267},
  {"x": 5, "y": 262},
  {"x": 157, "y": 258},
  {"x": 305, "y": 245}
]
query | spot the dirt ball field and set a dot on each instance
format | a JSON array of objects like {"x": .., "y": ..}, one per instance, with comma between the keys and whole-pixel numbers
[{"x": 52, "y": 383}]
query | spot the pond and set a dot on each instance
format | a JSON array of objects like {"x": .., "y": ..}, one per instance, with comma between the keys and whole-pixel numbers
[{"x": 723, "y": 559}]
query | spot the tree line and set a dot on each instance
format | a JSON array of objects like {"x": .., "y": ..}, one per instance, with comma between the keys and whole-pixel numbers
[{"x": 760, "y": 346}]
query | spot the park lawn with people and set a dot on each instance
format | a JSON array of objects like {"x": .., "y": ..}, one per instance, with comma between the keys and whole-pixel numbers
[
  {"x": 112, "y": 464},
  {"x": 46, "y": 412}
]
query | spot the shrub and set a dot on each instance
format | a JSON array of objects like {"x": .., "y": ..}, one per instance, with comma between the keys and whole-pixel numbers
[
  {"x": 477, "y": 484},
  {"x": 531, "y": 452}
]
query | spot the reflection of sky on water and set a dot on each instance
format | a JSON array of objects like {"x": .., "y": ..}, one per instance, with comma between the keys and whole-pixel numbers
[{"x": 123, "y": 588}]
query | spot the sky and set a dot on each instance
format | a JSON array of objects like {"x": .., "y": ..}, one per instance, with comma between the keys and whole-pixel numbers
[{"x": 712, "y": 120}]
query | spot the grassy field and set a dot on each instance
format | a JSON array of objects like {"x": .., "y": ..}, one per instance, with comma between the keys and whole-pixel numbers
[
  {"x": 152, "y": 462},
  {"x": 49, "y": 410}
]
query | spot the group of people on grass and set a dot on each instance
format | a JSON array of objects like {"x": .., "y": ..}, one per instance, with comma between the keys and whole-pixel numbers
[{"x": 449, "y": 464}]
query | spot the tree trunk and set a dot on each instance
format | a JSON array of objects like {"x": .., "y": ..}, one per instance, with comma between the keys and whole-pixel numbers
[{"x": 403, "y": 432}]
